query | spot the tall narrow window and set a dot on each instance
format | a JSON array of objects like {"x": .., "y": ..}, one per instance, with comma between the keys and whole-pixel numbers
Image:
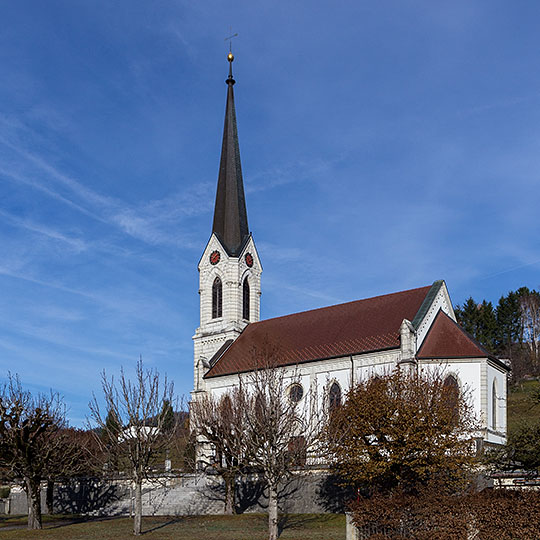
[
  {"x": 216, "y": 298},
  {"x": 334, "y": 397},
  {"x": 494, "y": 405},
  {"x": 245, "y": 309},
  {"x": 451, "y": 396}
]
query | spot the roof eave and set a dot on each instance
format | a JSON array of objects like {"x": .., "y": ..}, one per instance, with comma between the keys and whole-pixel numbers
[{"x": 209, "y": 376}]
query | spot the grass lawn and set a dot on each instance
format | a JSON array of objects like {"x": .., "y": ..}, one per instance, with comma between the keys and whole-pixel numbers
[
  {"x": 520, "y": 405},
  {"x": 241, "y": 527}
]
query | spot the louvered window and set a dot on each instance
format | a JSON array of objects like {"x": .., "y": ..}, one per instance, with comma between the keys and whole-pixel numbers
[
  {"x": 245, "y": 305},
  {"x": 217, "y": 294}
]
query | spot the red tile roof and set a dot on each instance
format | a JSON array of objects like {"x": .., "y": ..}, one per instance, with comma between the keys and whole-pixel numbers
[
  {"x": 356, "y": 327},
  {"x": 446, "y": 339}
]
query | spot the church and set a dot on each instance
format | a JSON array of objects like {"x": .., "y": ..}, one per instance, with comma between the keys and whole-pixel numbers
[{"x": 331, "y": 348}]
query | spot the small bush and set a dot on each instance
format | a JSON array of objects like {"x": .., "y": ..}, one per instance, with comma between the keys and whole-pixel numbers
[{"x": 4, "y": 492}]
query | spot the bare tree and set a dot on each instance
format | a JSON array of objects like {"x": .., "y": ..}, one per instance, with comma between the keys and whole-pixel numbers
[
  {"x": 75, "y": 452},
  {"x": 222, "y": 423},
  {"x": 141, "y": 428},
  {"x": 28, "y": 439},
  {"x": 530, "y": 322},
  {"x": 282, "y": 425}
]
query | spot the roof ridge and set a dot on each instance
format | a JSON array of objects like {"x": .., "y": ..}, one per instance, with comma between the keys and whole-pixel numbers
[
  {"x": 428, "y": 300},
  {"x": 338, "y": 305}
]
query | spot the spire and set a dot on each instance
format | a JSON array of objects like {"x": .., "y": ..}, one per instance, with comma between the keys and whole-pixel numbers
[{"x": 230, "y": 215}]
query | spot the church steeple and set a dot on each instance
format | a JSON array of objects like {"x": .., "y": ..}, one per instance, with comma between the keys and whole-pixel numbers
[
  {"x": 230, "y": 214},
  {"x": 230, "y": 268}
]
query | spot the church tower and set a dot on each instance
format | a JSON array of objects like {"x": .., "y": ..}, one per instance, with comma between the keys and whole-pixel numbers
[{"x": 229, "y": 269}]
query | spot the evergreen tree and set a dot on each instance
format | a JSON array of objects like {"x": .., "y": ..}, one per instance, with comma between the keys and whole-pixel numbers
[
  {"x": 508, "y": 315},
  {"x": 112, "y": 425},
  {"x": 479, "y": 320},
  {"x": 167, "y": 415},
  {"x": 486, "y": 330},
  {"x": 467, "y": 316}
]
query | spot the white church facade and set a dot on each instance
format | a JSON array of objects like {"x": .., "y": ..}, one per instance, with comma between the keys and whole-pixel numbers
[{"x": 330, "y": 348}]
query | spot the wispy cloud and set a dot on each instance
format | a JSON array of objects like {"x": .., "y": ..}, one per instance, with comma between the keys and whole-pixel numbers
[
  {"x": 301, "y": 170},
  {"x": 511, "y": 101},
  {"x": 21, "y": 179},
  {"x": 137, "y": 307},
  {"x": 78, "y": 244},
  {"x": 50, "y": 334},
  {"x": 157, "y": 222}
]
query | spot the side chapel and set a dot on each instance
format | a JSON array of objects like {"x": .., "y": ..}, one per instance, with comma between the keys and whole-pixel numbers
[{"x": 331, "y": 347}]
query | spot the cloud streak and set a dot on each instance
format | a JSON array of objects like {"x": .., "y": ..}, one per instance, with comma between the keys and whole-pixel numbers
[
  {"x": 78, "y": 244},
  {"x": 152, "y": 222}
]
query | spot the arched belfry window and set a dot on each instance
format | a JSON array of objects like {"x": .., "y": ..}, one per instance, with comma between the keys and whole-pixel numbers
[
  {"x": 245, "y": 303},
  {"x": 217, "y": 295},
  {"x": 494, "y": 405},
  {"x": 334, "y": 396}
]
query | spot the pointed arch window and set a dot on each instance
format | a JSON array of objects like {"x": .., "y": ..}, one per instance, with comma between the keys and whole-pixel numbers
[
  {"x": 217, "y": 295},
  {"x": 245, "y": 303},
  {"x": 451, "y": 396},
  {"x": 494, "y": 405},
  {"x": 334, "y": 397}
]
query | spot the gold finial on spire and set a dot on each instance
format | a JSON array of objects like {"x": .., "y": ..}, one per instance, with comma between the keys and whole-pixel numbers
[{"x": 230, "y": 57}]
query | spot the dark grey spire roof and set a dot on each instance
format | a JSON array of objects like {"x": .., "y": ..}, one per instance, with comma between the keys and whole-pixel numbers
[{"x": 230, "y": 215}]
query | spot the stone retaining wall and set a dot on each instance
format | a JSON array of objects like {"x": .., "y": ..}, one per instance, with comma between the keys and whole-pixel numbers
[{"x": 188, "y": 494}]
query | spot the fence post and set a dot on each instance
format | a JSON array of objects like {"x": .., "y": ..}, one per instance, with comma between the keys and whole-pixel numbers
[{"x": 351, "y": 530}]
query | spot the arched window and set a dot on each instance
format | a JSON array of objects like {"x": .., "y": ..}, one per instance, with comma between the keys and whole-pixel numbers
[
  {"x": 217, "y": 294},
  {"x": 334, "y": 397},
  {"x": 451, "y": 395},
  {"x": 494, "y": 405},
  {"x": 245, "y": 309},
  {"x": 296, "y": 392}
]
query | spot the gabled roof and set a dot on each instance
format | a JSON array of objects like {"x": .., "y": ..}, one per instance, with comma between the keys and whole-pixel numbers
[
  {"x": 356, "y": 327},
  {"x": 230, "y": 214},
  {"x": 446, "y": 340}
]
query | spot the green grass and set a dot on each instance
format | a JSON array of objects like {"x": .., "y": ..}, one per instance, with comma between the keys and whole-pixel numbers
[
  {"x": 520, "y": 405},
  {"x": 10, "y": 521},
  {"x": 241, "y": 527}
]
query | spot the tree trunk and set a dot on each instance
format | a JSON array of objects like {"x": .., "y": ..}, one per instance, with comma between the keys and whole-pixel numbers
[
  {"x": 229, "y": 494},
  {"x": 33, "y": 495},
  {"x": 50, "y": 496},
  {"x": 137, "y": 520},
  {"x": 272, "y": 513}
]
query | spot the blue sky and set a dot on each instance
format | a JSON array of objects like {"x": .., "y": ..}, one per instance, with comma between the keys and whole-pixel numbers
[{"x": 384, "y": 145}]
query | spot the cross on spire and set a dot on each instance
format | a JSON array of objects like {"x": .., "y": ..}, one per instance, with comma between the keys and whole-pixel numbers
[
  {"x": 230, "y": 56},
  {"x": 230, "y": 38}
]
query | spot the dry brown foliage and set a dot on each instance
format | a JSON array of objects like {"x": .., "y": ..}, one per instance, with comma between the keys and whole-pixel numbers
[
  {"x": 430, "y": 515},
  {"x": 402, "y": 430}
]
